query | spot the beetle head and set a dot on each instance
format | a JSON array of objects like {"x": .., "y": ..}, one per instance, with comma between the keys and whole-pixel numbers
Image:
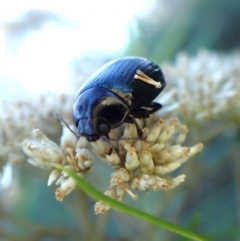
[
  {"x": 96, "y": 111},
  {"x": 93, "y": 128}
]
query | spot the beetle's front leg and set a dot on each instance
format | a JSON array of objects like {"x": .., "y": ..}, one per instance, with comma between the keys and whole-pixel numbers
[{"x": 131, "y": 120}]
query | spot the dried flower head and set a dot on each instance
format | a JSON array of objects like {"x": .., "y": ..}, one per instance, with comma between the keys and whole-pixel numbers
[
  {"x": 19, "y": 117},
  {"x": 142, "y": 165},
  {"x": 72, "y": 154},
  {"x": 203, "y": 87},
  {"x": 139, "y": 164}
]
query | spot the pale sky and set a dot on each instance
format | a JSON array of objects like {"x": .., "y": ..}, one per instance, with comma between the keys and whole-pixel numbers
[{"x": 42, "y": 59}]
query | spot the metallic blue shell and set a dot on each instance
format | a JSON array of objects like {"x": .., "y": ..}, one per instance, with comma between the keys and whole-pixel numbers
[
  {"x": 119, "y": 75},
  {"x": 115, "y": 94}
]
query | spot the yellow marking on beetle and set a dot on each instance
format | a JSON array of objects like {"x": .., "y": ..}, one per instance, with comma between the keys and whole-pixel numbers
[{"x": 145, "y": 78}]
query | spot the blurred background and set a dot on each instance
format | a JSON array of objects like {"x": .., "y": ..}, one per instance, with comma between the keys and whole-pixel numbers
[{"x": 51, "y": 47}]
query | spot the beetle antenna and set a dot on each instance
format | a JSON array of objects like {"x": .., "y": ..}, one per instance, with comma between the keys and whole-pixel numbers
[{"x": 66, "y": 124}]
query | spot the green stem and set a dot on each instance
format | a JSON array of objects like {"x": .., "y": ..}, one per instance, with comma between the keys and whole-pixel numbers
[{"x": 91, "y": 191}]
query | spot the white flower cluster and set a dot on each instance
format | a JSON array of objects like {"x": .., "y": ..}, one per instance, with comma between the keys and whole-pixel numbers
[
  {"x": 20, "y": 117},
  {"x": 203, "y": 87},
  {"x": 139, "y": 164},
  {"x": 71, "y": 154}
]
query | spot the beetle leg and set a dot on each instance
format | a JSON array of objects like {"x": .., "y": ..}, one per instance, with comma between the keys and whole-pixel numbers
[
  {"x": 145, "y": 78},
  {"x": 140, "y": 113},
  {"x": 154, "y": 107},
  {"x": 131, "y": 120},
  {"x": 146, "y": 110}
]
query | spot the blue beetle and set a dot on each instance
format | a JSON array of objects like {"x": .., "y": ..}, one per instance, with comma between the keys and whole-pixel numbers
[{"x": 117, "y": 93}]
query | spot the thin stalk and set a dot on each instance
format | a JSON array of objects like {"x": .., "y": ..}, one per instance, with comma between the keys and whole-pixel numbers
[{"x": 91, "y": 191}]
